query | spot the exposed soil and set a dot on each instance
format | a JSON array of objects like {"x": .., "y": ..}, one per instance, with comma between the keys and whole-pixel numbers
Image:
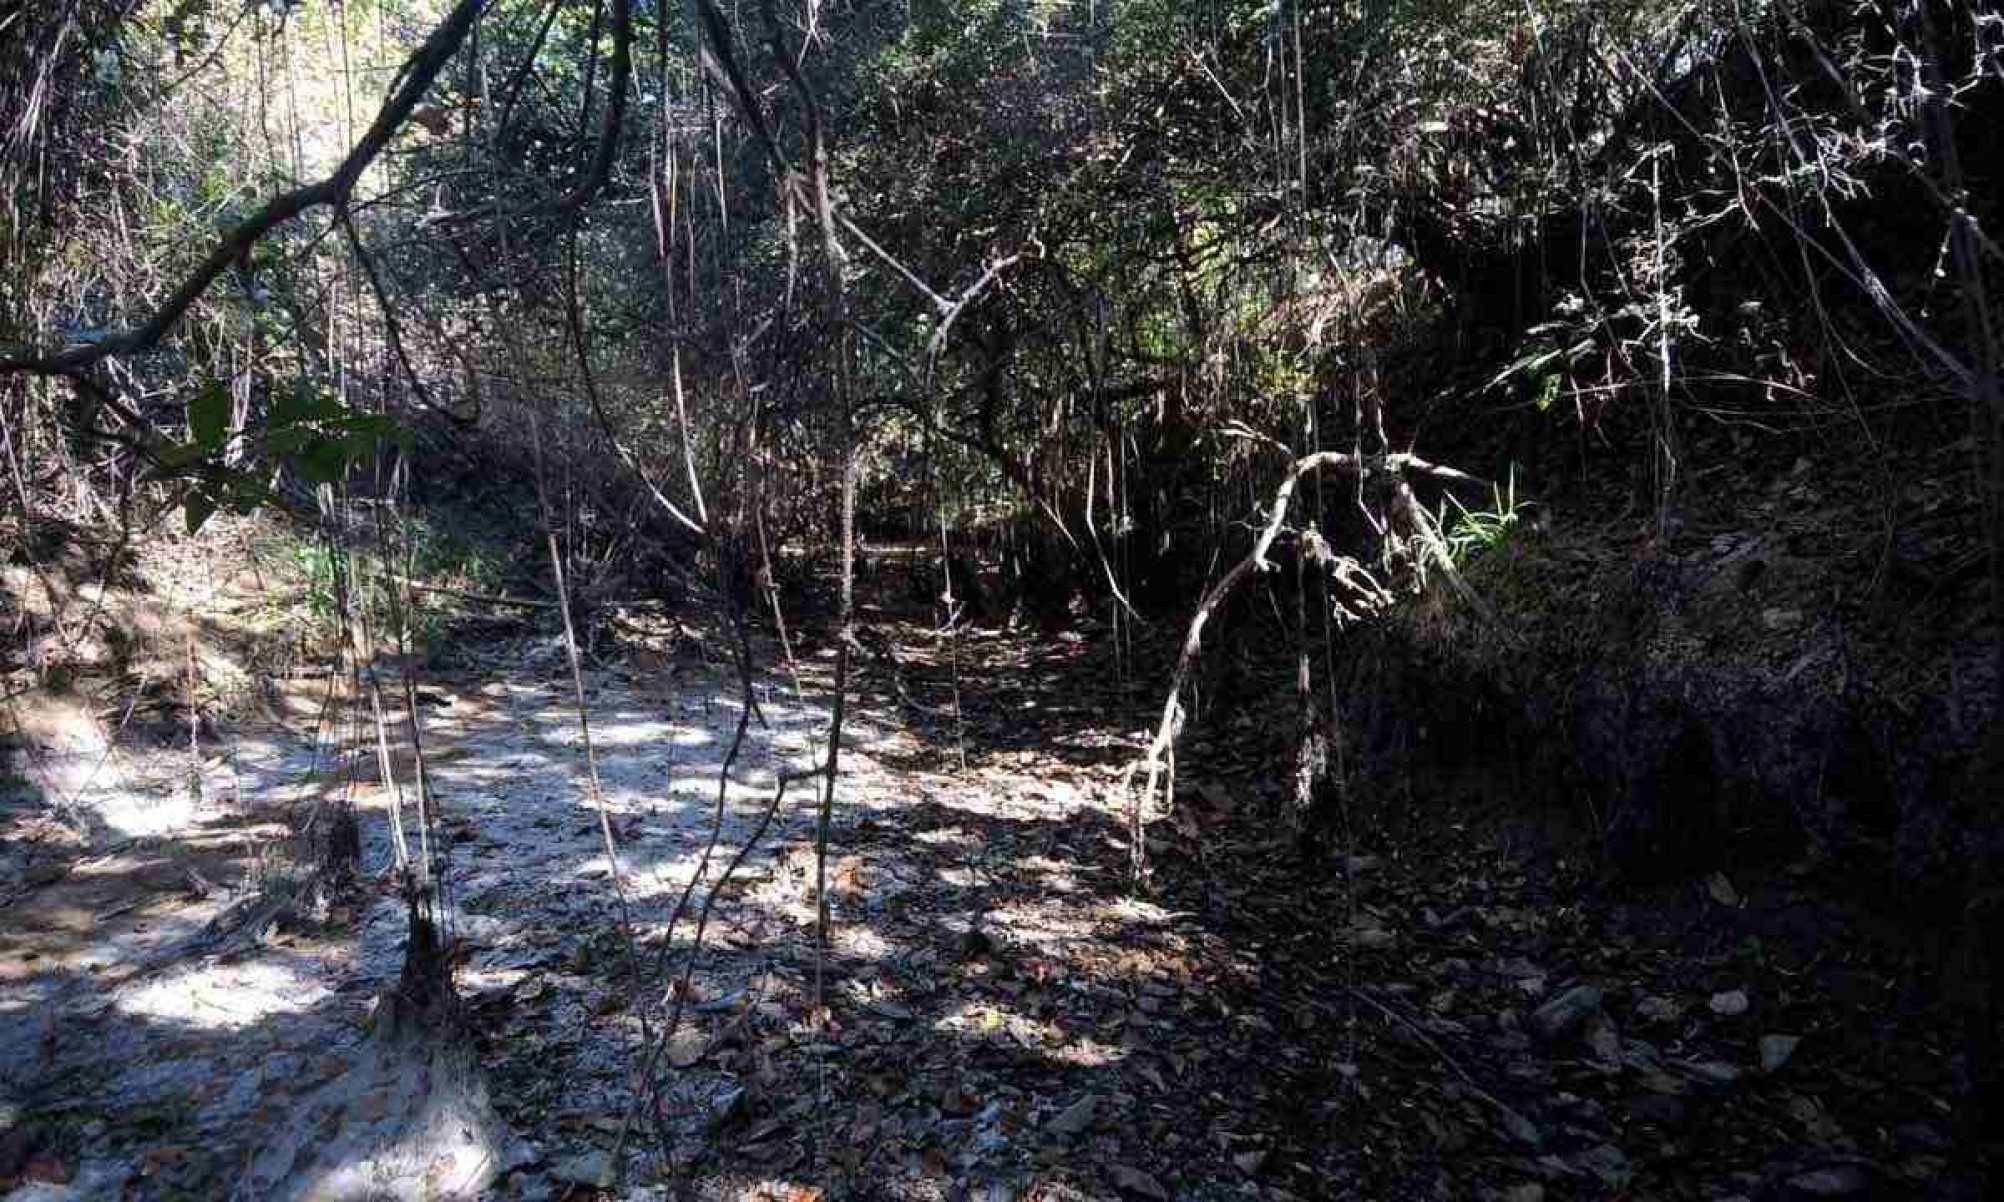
[{"x": 1446, "y": 1003}]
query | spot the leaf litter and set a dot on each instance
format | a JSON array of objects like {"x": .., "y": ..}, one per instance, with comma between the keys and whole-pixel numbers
[{"x": 1440, "y": 1012}]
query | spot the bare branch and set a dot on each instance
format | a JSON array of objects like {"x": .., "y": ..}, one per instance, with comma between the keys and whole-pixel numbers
[{"x": 415, "y": 78}]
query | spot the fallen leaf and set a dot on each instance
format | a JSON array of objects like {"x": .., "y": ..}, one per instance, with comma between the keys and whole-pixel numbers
[
  {"x": 1074, "y": 1119},
  {"x": 47, "y": 1168},
  {"x": 592, "y": 1169},
  {"x": 1775, "y": 1051},
  {"x": 1135, "y": 1181},
  {"x": 686, "y": 1049}
]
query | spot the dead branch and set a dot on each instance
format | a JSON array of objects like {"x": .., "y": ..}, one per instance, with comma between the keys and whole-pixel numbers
[
  {"x": 1159, "y": 760},
  {"x": 416, "y": 76}
]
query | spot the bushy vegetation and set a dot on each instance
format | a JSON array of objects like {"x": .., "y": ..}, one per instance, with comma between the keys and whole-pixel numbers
[{"x": 1157, "y": 303}]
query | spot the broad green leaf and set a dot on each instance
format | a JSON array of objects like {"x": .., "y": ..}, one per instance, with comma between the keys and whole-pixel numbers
[
  {"x": 285, "y": 441},
  {"x": 305, "y": 403},
  {"x": 209, "y": 417},
  {"x": 179, "y": 455},
  {"x": 323, "y": 462}
]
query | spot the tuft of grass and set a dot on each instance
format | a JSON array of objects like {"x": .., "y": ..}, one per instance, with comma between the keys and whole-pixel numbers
[{"x": 1472, "y": 532}]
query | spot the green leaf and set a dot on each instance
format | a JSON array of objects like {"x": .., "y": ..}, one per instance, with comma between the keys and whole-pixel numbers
[
  {"x": 247, "y": 493},
  {"x": 176, "y": 456},
  {"x": 209, "y": 417},
  {"x": 305, "y": 403},
  {"x": 196, "y": 508},
  {"x": 360, "y": 444},
  {"x": 285, "y": 441},
  {"x": 1548, "y": 391},
  {"x": 323, "y": 462}
]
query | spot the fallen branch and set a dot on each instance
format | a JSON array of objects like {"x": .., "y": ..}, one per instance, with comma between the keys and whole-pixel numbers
[
  {"x": 1518, "y": 1126},
  {"x": 480, "y": 598}
]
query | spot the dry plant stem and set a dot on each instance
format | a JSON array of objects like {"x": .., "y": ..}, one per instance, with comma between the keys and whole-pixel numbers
[
  {"x": 833, "y": 260},
  {"x": 649, "y": 1074},
  {"x": 392, "y": 328},
  {"x": 679, "y": 993},
  {"x": 952, "y": 642},
  {"x": 606, "y": 148},
  {"x": 414, "y": 80},
  {"x": 1159, "y": 759},
  {"x": 717, "y": 813},
  {"x": 194, "y": 725},
  {"x": 1517, "y": 1120},
  {"x": 610, "y": 845},
  {"x": 688, "y": 441},
  {"x": 772, "y": 598},
  {"x": 574, "y": 324},
  {"x": 1092, "y": 531},
  {"x": 386, "y": 766},
  {"x": 429, "y": 886},
  {"x": 1666, "y": 418}
]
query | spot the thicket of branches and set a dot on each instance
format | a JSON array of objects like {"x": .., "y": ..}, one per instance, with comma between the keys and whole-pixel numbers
[
  {"x": 1082, "y": 277},
  {"x": 1165, "y": 297}
]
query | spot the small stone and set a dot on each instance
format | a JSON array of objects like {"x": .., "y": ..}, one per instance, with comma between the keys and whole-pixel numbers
[
  {"x": 520, "y": 1154},
  {"x": 1775, "y": 1051},
  {"x": 1730, "y": 1004},
  {"x": 1521, "y": 1129},
  {"x": 730, "y": 1106},
  {"x": 1566, "y": 1011},
  {"x": 1366, "y": 933},
  {"x": 1641, "y": 1055},
  {"x": 1920, "y": 1135}
]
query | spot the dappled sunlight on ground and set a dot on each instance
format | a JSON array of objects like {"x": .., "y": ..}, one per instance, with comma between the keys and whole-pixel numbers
[
  {"x": 998, "y": 1013},
  {"x": 220, "y": 995}
]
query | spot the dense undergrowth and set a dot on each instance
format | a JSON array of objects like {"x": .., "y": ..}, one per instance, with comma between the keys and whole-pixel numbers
[{"x": 1595, "y": 407}]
